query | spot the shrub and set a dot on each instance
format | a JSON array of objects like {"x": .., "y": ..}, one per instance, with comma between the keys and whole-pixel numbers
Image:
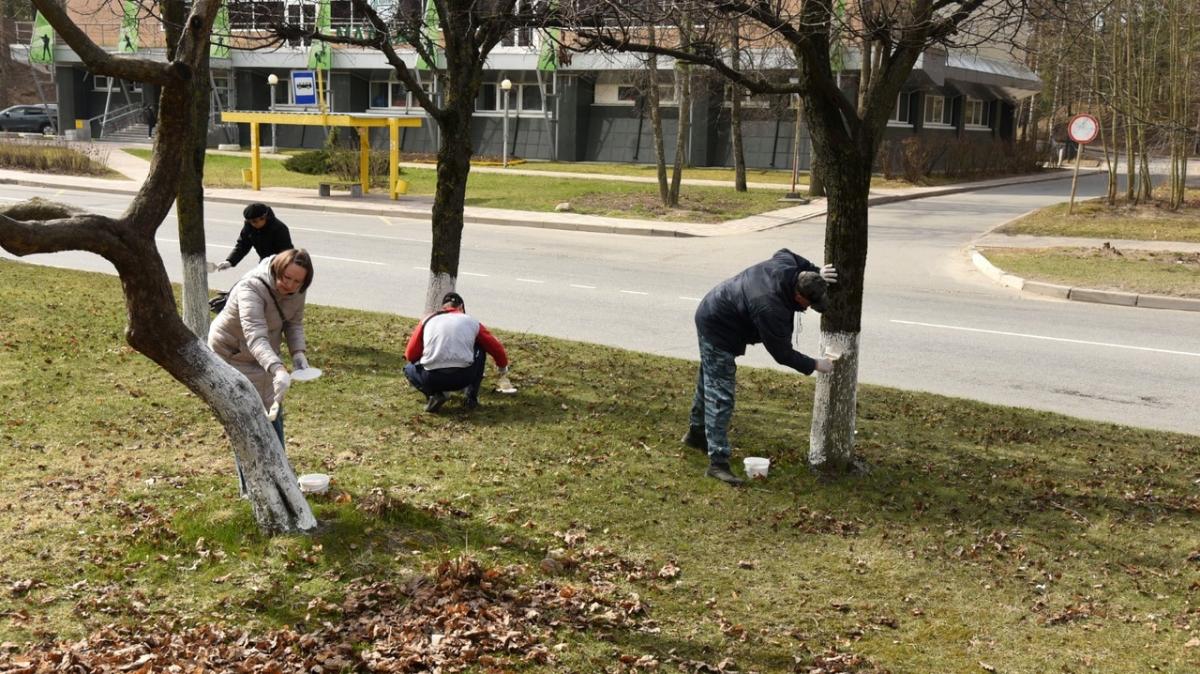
[
  {"x": 54, "y": 157},
  {"x": 316, "y": 162},
  {"x": 344, "y": 163}
]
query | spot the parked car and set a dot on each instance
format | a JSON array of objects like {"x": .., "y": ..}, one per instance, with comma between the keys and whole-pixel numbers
[{"x": 37, "y": 118}]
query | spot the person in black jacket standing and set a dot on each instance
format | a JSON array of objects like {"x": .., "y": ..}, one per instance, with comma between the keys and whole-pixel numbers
[
  {"x": 263, "y": 231},
  {"x": 757, "y": 305}
]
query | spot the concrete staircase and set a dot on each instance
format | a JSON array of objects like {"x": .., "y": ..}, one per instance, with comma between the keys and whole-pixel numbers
[{"x": 130, "y": 135}]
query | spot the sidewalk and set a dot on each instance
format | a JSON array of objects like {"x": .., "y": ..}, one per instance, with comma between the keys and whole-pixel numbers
[{"x": 377, "y": 203}]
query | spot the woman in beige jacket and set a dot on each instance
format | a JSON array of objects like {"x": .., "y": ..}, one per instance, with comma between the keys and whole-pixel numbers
[{"x": 265, "y": 308}]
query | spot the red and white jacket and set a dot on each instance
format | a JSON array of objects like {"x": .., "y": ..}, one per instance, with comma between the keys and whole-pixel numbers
[{"x": 448, "y": 339}]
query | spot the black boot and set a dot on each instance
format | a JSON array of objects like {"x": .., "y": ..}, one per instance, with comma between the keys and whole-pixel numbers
[
  {"x": 436, "y": 401},
  {"x": 696, "y": 439},
  {"x": 721, "y": 471}
]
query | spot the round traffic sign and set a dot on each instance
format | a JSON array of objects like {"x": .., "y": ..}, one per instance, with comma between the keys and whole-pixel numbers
[{"x": 1083, "y": 129}]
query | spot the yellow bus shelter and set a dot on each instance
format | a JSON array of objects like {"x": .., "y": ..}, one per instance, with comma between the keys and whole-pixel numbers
[{"x": 362, "y": 123}]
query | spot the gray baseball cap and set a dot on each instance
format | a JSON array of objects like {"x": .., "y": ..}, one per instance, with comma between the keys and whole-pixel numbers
[{"x": 814, "y": 289}]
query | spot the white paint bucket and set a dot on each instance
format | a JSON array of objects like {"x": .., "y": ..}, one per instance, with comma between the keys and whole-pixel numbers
[{"x": 756, "y": 466}]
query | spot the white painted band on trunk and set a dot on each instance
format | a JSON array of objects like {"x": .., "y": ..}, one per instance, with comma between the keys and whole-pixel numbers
[
  {"x": 831, "y": 438},
  {"x": 439, "y": 285}
]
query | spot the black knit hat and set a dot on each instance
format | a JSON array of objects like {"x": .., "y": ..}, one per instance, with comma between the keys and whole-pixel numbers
[
  {"x": 454, "y": 299},
  {"x": 814, "y": 289},
  {"x": 256, "y": 210}
]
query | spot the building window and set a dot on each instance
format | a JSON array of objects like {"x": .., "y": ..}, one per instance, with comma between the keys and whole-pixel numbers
[
  {"x": 389, "y": 94},
  {"x": 283, "y": 92},
  {"x": 518, "y": 37},
  {"x": 102, "y": 82},
  {"x": 521, "y": 98},
  {"x": 254, "y": 14},
  {"x": 975, "y": 113},
  {"x": 223, "y": 90},
  {"x": 937, "y": 112},
  {"x": 901, "y": 112},
  {"x": 621, "y": 93}
]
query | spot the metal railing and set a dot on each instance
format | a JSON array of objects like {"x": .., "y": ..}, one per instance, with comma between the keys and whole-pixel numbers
[{"x": 115, "y": 120}]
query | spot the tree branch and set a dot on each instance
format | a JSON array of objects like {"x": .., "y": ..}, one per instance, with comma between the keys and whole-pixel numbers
[
  {"x": 92, "y": 233},
  {"x": 98, "y": 60}
]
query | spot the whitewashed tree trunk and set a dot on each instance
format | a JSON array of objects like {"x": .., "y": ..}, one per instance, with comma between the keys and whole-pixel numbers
[
  {"x": 271, "y": 486},
  {"x": 195, "y": 295},
  {"x": 831, "y": 437},
  {"x": 439, "y": 285}
]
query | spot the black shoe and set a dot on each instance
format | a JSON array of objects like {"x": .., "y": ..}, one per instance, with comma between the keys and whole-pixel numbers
[
  {"x": 721, "y": 471},
  {"x": 696, "y": 439},
  {"x": 471, "y": 402},
  {"x": 436, "y": 401}
]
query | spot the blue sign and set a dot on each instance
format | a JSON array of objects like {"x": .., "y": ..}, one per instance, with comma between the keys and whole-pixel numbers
[{"x": 304, "y": 87}]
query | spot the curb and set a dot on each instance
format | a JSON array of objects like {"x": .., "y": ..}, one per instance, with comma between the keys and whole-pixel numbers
[{"x": 1063, "y": 292}]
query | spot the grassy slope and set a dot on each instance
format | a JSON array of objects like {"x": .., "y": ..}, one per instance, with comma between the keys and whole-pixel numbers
[
  {"x": 1096, "y": 219},
  {"x": 1026, "y": 541},
  {"x": 1152, "y": 273}
]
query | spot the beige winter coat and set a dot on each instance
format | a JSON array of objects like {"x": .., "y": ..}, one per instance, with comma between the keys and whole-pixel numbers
[{"x": 248, "y": 332}]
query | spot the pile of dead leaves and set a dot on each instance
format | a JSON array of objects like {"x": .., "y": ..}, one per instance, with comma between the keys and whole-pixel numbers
[{"x": 461, "y": 615}]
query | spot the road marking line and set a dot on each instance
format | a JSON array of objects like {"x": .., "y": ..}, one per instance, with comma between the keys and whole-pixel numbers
[
  {"x": 315, "y": 257},
  {"x": 576, "y": 285},
  {"x": 690, "y": 299},
  {"x": 634, "y": 292},
  {"x": 421, "y": 268},
  {"x": 469, "y": 273},
  {"x": 530, "y": 280},
  {"x": 1049, "y": 339},
  {"x": 366, "y": 236},
  {"x": 347, "y": 259}
]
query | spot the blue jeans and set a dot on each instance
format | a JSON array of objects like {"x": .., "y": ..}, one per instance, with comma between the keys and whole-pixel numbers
[
  {"x": 712, "y": 406},
  {"x": 430, "y": 382}
]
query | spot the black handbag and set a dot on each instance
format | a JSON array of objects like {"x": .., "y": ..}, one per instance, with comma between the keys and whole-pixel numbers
[{"x": 217, "y": 303}]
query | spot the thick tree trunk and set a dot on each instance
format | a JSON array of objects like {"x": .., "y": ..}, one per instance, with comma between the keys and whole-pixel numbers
[
  {"x": 154, "y": 327},
  {"x": 454, "y": 167},
  {"x": 189, "y": 203},
  {"x": 831, "y": 440},
  {"x": 189, "y": 211},
  {"x": 155, "y": 330}
]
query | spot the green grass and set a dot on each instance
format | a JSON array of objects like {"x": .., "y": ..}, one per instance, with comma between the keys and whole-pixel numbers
[
  {"x": 530, "y": 193},
  {"x": 1096, "y": 219},
  {"x": 1146, "y": 272},
  {"x": 1026, "y": 541}
]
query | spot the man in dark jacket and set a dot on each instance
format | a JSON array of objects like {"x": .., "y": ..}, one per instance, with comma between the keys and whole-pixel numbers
[
  {"x": 263, "y": 232},
  {"x": 757, "y": 305}
]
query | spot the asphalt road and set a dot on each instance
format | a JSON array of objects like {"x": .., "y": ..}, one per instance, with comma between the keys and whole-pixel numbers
[{"x": 930, "y": 321}]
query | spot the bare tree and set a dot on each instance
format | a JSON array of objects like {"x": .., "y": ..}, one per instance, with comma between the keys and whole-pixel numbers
[
  {"x": 127, "y": 241},
  {"x": 455, "y": 47},
  {"x": 845, "y": 135}
]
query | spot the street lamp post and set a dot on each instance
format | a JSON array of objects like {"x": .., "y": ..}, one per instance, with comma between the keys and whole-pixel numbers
[
  {"x": 272, "y": 80},
  {"x": 505, "y": 86}
]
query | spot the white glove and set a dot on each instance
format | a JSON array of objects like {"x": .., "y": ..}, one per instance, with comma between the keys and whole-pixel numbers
[
  {"x": 503, "y": 372},
  {"x": 829, "y": 274},
  {"x": 223, "y": 265},
  {"x": 824, "y": 365},
  {"x": 281, "y": 383},
  {"x": 299, "y": 361}
]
